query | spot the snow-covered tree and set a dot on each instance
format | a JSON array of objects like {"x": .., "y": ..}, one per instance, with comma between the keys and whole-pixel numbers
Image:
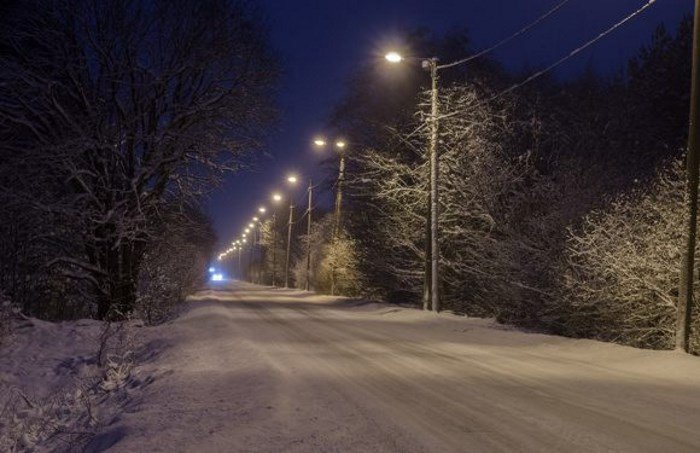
[
  {"x": 335, "y": 261},
  {"x": 109, "y": 109},
  {"x": 174, "y": 262},
  {"x": 622, "y": 278},
  {"x": 481, "y": 186}
]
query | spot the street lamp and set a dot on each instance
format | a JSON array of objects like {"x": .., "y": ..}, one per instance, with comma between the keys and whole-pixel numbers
[
  {"x": 394, "y": 57},
  {"x": 240, "y": 252},
  {"x": 262, "y": 209},
  {"x": 432, "y": 252},
  {"x": 292, "y": 180},
  {"x": 256, "y": 242},
  {"x": 309, "y": 190},
  {"x": 240, "y": 266},
  {"x": 276, "y": 198},
  {"x": 340, "y": 145}
]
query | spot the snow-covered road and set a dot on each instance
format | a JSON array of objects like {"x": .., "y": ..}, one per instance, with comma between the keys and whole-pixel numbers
[{"x": 249, "y": 368}]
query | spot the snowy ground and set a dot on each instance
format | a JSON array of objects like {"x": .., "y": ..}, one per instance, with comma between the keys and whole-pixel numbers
[
  {"x": 247, "y": 368},
  {"x": 62, "y": 383}
]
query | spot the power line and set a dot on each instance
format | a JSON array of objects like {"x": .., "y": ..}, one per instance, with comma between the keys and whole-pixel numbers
[
  {"x": 499, "y": 44},
  {"x": 566, "y": 57},
  {"x": 538, "y": 74},
  {"x": 508, "y": 39}
]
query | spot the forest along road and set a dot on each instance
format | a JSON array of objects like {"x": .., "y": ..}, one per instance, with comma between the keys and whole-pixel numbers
[{"x": 249, "y": 368}]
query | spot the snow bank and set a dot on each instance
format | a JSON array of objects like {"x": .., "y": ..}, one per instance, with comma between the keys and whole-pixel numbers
[{"x": 60, "y": 382}]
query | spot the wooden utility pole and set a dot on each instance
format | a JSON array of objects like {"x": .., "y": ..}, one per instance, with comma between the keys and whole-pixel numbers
[
  {"x": 274, "y": 248},
  {"x": 308, "y": 237},
  {"x": 250, "y": 258},
  {"x": 289, "y": 245},
  {"x": 338, "y": 211},
  {"x": 685, "y": 293},
  {"x": 434, "y": 251},
  {"x": 240, "y": 266},
  {"x": 427, "y": 278},
  {"x": 339, "y": 194}
]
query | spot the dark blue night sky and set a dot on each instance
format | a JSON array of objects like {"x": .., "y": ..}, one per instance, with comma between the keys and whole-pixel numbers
[{"x": 321, "y": 42}]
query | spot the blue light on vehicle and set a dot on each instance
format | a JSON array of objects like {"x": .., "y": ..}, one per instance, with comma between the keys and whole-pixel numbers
[{"x": 212, "y": 270}]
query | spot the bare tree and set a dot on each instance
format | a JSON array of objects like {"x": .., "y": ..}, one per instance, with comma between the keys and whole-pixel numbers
[
  {"x": 480, "y": 185},
  {"x": 174, "y": 262},
  {"x": 335, "y": 261},
  {"x": 620, "y": 284},
  {"x": 112, "y": 108}
]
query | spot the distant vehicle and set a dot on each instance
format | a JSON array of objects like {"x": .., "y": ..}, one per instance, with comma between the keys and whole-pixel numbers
[{"x": 217, "y": 277}]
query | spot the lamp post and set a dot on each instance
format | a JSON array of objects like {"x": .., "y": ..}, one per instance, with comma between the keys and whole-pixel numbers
[
  {"x": 254, "y": 227},
  {"x": 261, "y": 211},
  {"x": 432, "y": 277},
  {"x": 308, "y": 236},
  {"x": 240, "y": 267},
  {"x": 276, "y": 198},
  {"x": 292, "y": 180},
  {"x": 241, "y": 246},
  {"x": 340, "y": 145},
  {"x": 247, "y": 232},
  {"x": 251, "y": 251},
  {"x": 685, "y": 292}
]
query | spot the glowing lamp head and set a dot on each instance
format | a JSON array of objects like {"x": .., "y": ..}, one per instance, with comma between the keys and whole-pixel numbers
[
  {"x": 247, "y": 230},
  {"x": 320, "y": 141},
  {"x": 393, "y": 57},
  {"x": 292, "y": 179},
  {"x": 340, "y": 144},
  {"x": 276, "y": 197},
  {"x": 255, "y": 219},
  {"x": 262, "y": 209},
  {"x": 243, "y": 240},
  {"x": 251, "y": 225}
]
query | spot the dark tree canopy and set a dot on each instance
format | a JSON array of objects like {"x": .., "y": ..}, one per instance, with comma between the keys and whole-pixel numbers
[{"x": 110, "y": 109}]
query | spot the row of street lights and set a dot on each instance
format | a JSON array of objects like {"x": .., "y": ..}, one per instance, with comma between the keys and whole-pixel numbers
[
  {"x": 239, "y": 244},
  {"x": 431, "y": 294}
]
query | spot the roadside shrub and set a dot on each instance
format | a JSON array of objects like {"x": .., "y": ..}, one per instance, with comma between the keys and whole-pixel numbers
[
  {"x": 335, "y": 265},
  {"x": 174, "y": 265},
  {"x": 624, "y": 266}
]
